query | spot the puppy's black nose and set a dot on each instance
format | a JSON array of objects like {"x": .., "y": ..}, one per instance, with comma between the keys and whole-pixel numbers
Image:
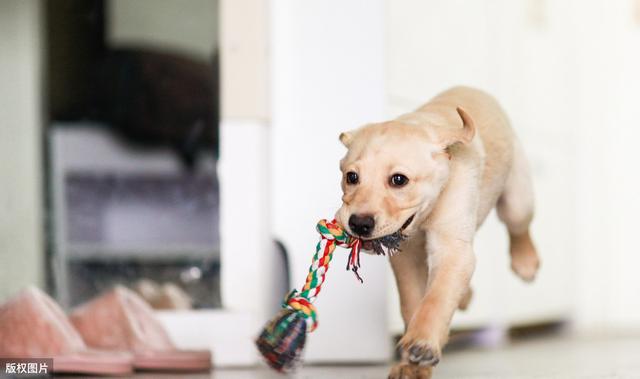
[{"x": 361, "y": 225}]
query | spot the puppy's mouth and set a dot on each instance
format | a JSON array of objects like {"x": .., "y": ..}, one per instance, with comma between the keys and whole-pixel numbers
[{"x": 389, "y": 244}]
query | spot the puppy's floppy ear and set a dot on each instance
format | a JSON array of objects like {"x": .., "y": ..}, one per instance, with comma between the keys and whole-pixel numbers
[
  {"x": 459, "y": 135},
  {"x": 468, "y": 126},
  {"x": 346, "y": 138}
]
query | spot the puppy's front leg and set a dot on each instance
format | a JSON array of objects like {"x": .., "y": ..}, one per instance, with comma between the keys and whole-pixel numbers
[
  {"x": 451, "y": 264},
  {"x": 410, "y": 271}
]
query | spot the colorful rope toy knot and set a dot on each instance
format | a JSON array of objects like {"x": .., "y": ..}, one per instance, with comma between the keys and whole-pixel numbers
[{"x": 282, "y": 339}]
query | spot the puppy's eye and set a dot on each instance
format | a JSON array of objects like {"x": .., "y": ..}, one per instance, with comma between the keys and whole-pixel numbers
[
  {"x": 352, "y": 177},
  {"x": 398, "y": 180}
]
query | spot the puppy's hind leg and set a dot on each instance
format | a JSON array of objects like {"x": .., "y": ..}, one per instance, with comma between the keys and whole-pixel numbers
[
  {"x": 466, "y": 299},
  {"x": 515, "y": 209}
]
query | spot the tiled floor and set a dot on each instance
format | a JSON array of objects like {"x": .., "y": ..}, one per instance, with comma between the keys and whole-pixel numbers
[{"x": 552, "y": 358}]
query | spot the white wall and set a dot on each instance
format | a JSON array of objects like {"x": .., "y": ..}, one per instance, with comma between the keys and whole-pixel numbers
[
  {"x": 566, "y": 72},
  {"x": 609, "y": 183},
  {"x": 522, "y": 60},
  {"x": 21, "y": 223}
]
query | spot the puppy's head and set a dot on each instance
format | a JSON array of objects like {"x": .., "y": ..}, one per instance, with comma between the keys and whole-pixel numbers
[{"x": 394, "y": 171}]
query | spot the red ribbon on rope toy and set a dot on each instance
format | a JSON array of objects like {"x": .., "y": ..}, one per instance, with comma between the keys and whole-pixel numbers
[{"x": 353, "y": 263}]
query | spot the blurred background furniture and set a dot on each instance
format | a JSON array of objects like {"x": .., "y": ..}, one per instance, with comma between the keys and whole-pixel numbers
[{"x": 122, "y": 213}]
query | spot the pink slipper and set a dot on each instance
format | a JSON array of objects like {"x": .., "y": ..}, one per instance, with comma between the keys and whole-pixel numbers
[
  {"x": 32, "y": 325},
  {"x": 121, "y": 320}
]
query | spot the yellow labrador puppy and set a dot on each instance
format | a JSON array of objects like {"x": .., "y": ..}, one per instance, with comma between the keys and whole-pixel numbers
[{"x": 425, "y": 182}]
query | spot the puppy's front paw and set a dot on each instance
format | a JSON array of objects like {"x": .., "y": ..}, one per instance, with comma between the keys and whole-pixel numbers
[
  {"x": 420, "y": 352},
  {"x": 409, "y": 371}
]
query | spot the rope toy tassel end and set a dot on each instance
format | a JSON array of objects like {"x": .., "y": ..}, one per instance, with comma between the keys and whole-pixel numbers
[{"x": 282, "y": 339}]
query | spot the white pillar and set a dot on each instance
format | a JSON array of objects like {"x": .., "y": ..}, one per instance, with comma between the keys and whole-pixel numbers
[{"x": 327, "y": 77}]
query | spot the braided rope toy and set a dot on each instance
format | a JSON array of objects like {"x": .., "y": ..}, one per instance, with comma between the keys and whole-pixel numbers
[{"x": 282, "y": 339}]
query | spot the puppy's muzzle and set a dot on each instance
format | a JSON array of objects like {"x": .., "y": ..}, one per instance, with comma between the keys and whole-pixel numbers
[{"x": 362, "y": 225}]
